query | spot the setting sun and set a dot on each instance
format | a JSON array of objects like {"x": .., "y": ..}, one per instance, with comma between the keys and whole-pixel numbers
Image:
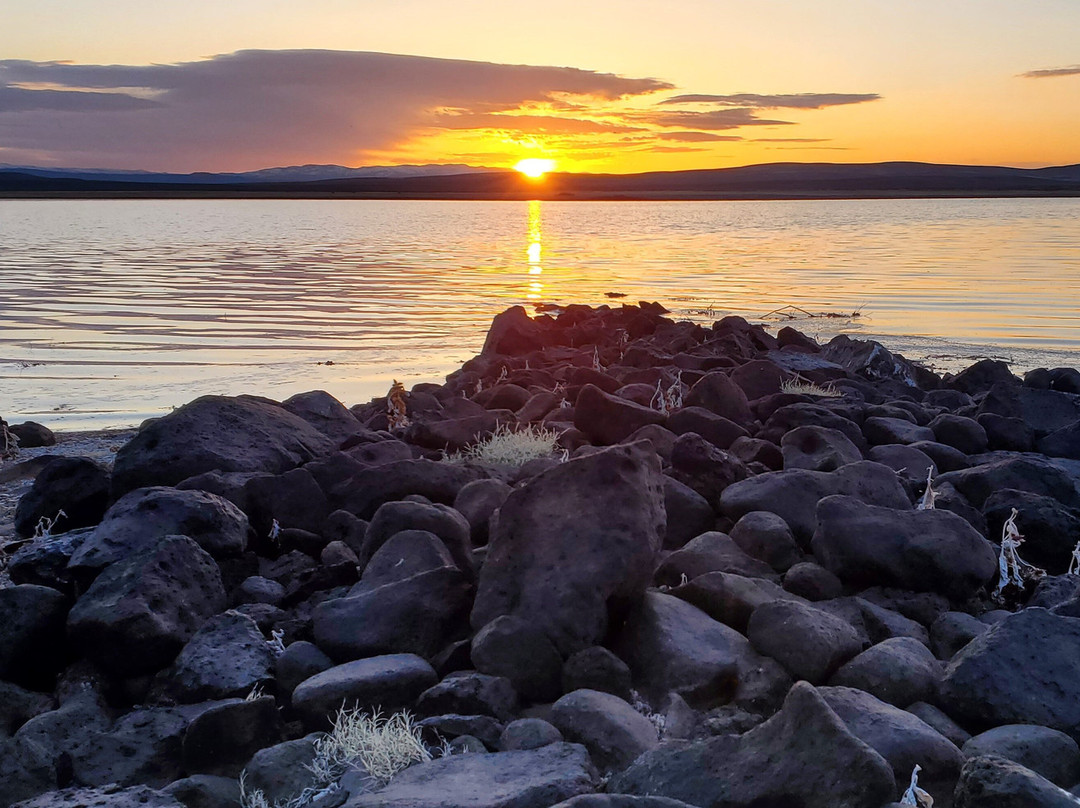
[{"x": 535, "y": 167}]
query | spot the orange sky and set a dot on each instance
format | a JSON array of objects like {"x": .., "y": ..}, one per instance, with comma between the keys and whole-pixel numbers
[{"x": 254, "y": 83}]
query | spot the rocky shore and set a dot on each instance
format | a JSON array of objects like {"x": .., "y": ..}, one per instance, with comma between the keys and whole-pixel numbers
[{"x": 614, "y": 561}]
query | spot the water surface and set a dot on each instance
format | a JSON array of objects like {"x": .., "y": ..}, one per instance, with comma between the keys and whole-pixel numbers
[{"x": 113, "y": 311}]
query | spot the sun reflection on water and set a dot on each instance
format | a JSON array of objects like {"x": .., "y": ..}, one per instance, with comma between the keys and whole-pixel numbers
[{"x": 534, "y": 249}]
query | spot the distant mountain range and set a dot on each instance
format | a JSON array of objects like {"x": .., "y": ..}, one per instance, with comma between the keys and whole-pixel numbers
[{"x": 768, "y": 181}]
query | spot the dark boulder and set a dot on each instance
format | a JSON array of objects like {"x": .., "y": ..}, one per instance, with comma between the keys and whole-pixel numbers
[
  {"x": 899, "y": 671},
  {"x": 1064, "y": 442},
  {"x": 987, "y": 781},
  {"x": 597, "y": 668},
  {"x": 688, "y": 513},
  {"x": 441, "y": 520},
  {"x": 138, "y": 520},
  {"x": 325, "y": 413},
  {"x": 216, "y": 433},
  {"x": 1047, "y": 752},
  {"x": 812, "y": 581},
  {"x": 513, "y": 333},
  {"x": 791, "y": 416},
  {"x": 983, "y": 375},
  {"x": 931, "y": 550},
  {"x": 44, "y": 561},
  {"x": 767, "y": 537},
  {"x": 1050, "y": 529},
  {"x": 227, "y": 658},
  {"x": 1006, "y": 434},
  {"x": 873, "y": 361},
  {"x": 75, "y": 485},
  {"x": 609, "y": 419},
  {"x": 417, "y": 615},
  {"x": 363, "y": 493},
  {"x": 141, "y": 610},
  {"x": 671, "y": 645},
  {"x": 879, "y": 431},
  {"x": 391, "y": 683},
  {"x": 614, "y": 732},
  {"x": 517, "y": 650},
  {"x": 803, "y": 756},
  {"x": 574, "y": 543},
  {"x": 952, "y": 631},
  {"x": 710, "y": 552},
  {"x": 477, "y": 501},
  {"x": 697, "y": 463},
  {"x": 901, "y": 738},
  {"x": 293, "y": 499},
  {"x": 810, "y": 643},
  {"x": 470, "y": 693},
  {"x": 32, "y": 642},
  {"x": 718, "y": 393},
  {"x": 793, "y": 495},
  {"x": 818, "y": 448},
  {"x": 32, "y": 435},
  {"x": 534, "y": 778},
  {"x": 1027, "y": 473},
  {"x": 528, "y": 733},
  {"x": 1043, "y": 411},
  {"x": 758, "y": 378},
  {"x": 223, "y": 738},
  {"x": 716, "y": 429},
  {"x": 730, "y": 599},
  {"x": 1021, "y": 670},
  {"x": 964, "y": 434}
]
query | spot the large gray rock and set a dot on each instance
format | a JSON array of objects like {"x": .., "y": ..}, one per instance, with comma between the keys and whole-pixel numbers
[
  {"x": 325, "y": 413},
  {"x": 924, "y": 551},
  {"x": 281, "y": 771},
  {"x": 993, "y": 782},
  {"x": 140, "y": 611},
  {"x": 216, "y": 433},
  {"x": 228, "y": 657},
  {"x": 671, "y": 645},
  {"x": 110, "y": 796},
  {"x": 900, "y": 671},
  {"x": 608, "y": 419},
  {"x": 808, "y": 642},
  {"x": 614, "y": 732},
  {"x": 766, "y": 536},
  {"x": 793, "y": 495},
  {"x": 390, "y": 682},
  {"x": 1024, "y": 473},
  {"x": 575, "y": 543},
  {"x": 448, "y": 524},
  {"x": 139, "y": 519},
  {"x": 717, "y": 393},
  {"x": 32, "y": 641},
  {"x": 901, "y": 738},
  {"x": 518, "y": 650},
  {"x": 818, "y": 448},
  {"x": 711, "y": 552},
  {"x": 75, "y": 485},
  {"x": 1022, "y": 670},
  {"x": 803, "y": 756},
  {"x": 731, "y": 599},
  {"x": 534, "y": 778},
  {"x": 418, "y": 615},
  {"x": 1047, "y": 752}
]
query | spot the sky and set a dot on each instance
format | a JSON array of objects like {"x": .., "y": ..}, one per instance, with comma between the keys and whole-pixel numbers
[{"x": 594, "y": 85}]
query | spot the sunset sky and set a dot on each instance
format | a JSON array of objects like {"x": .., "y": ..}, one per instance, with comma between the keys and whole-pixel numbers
[{"x": 595, "y": 85}]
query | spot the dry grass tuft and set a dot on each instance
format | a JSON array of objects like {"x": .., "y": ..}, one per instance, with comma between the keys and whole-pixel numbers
[
  {"x": 803, "y": 387},
  {"x": 510, "y": 447}
]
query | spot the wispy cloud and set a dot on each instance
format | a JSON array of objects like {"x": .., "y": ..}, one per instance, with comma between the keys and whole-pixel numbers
[
  {"x": 789, "y": 101},
  {"x": 1052, "y": 72},
  {"x": 258, "y": 108}
]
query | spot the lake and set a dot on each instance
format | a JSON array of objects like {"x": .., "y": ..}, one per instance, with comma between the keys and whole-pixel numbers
[{"x": 115, "y": 311}]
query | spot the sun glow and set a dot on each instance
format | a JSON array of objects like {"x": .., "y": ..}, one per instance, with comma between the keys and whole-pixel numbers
[{"x": 535, "y": 167}]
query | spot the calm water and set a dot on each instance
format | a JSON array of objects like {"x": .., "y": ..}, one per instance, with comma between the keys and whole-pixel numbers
[{"x": 113, "y": 311}]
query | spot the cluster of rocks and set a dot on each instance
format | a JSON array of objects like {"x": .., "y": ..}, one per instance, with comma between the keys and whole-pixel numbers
[{"x": 720, "y": 593}]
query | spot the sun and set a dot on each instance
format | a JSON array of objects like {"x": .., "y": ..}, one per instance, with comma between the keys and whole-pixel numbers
[{"x": 535, "y": 167}]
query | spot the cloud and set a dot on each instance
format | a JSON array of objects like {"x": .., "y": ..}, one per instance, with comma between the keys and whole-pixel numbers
[
  {"x": 695, "y": 137},
  {"x": 791, "y": 101},
  {"x": 719, "y": 119},
  {"x": 540, "y": 124},
  {"x": 791, "y": 140},
  {"x": 1052, "y": 72},
  {"x": 252, "y": 109}
]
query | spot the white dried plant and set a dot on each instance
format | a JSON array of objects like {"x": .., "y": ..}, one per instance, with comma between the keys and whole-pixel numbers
[
  {"x": 915, "y": 795},
  {"x": 797, "y": 385},
  {"x": 379, "y": 746},
  {"x": 596, "y": 359},
  {"x": 1074, "y": 562},
  {"x": 510, "y": 447},
  {"x": 1013, "y": 570},
  {"x": 669, "y": 400},
  {"x": 926, "y": 503},
  {"x": 277, "y": 641},
  {"x": 502, "y": 375},
  {"x": 658, "y": 720},
  {"x": 9, "y": 443},
  {"x": 275, "y": 530},
  {"x": 368, "y": 742},
  {"x": 255, "y": 694},
  {"x": 43, "y": 528}
]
